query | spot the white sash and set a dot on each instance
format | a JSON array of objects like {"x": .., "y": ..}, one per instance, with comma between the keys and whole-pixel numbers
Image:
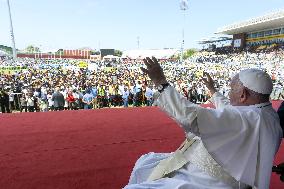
[{"x": 172, "y": 163}]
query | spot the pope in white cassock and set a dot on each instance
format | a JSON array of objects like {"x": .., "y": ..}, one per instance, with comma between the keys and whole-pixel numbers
[{"x": 232, "y": 146}]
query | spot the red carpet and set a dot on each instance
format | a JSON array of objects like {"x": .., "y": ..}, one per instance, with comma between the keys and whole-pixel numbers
[{"x": 93, "y": 149}]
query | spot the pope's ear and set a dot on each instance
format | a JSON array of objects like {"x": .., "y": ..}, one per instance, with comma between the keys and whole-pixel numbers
[{"x": 244, "y": 94}]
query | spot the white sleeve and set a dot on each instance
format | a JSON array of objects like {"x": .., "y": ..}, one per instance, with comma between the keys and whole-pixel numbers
[
  {"x": 180, "y": 109},
  {"x": 219, "y": 100}
]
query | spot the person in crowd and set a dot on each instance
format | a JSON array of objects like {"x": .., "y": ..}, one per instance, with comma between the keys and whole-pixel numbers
[
  {"x": 119, "y": 89},
  {"x": 30, "y": 102},
  {"x": 36, "y": 96},
  {"x": 58, "y": 100},
  {"x": 111, "y": 92},
  {"x": 193, "y": 94},
  {"x": 80, "y": 99},
  {"x": 4, "y": 101},
  {"x": 117, "y": 95},
  {"x": 50, "y": 101},
  {"x": 71, "y": 100},
  {"x": 11, "y": 100},
  {"x": 95, "y": 94},
  {"x": 64, "y": 92},
  {"x": 43, "y": 101},
  {"x": 101, "y": 96},
  {"x": 125, "y": 97},
  {"x": 107, "y": 102},
  {"x": 149, "y": 96},
  {"x": 88, "y": 100},
  {"x": 232, "y": 146},
  {"x": 77, "y": 100},
  {"x": 136, "y": 94},
  {"x": 23, "y": 103},
  {"x": 200, "y": 93},
  {"x": 185, "y": 93},
  {"x": 281, "y": 93}
]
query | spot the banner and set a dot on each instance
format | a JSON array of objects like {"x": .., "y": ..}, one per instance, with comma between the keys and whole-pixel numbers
[
  {"x": 83, "y": 64},
  {"x": 237, "y": 43},
  {"x": 11, "y": 69},
  {"x": 110, "y": 69}
]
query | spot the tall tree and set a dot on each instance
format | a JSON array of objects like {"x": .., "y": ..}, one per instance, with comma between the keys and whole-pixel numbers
[
  {"x": 32, "y": 49},
  {"x": 118, "y": 53},
  {"x": 189, "y": 52},
  {"x": 6, "y": 49}
]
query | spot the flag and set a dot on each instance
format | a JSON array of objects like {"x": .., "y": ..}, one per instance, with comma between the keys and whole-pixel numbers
[{"x": 184, "y": 4}]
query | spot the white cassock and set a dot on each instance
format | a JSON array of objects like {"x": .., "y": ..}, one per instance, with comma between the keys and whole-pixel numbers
[{"x": 229, "y": 147}]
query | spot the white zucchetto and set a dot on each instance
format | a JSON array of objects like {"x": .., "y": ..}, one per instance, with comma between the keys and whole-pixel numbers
[{"x": 256, "y": 80}]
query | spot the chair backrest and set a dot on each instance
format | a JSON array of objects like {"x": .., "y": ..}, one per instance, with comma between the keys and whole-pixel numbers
[
  {"x": 279, "y": 169},
  {"x": 280, "y": 112}
]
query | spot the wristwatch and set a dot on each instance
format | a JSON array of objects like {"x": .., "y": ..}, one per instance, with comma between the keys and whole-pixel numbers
[{"x": 162, "y": 87}]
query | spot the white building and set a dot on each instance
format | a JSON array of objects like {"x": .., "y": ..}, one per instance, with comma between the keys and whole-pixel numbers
[{"x": 158, "y": 53}]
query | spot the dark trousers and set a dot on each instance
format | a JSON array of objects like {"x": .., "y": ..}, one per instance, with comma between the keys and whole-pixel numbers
[
  {"x": 5, "y": 108},
  {"x": 149, "y": 102},
  {"x": 31, "y": 108},
  {"x": 24, "y": 108},
  {"x": 59, "y": 108}
]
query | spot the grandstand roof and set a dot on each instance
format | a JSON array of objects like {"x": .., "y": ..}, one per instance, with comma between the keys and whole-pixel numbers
[
  {"x": 214, "y": 40},
  {"x": 267, "y": 21},
  {"x": 158, "y": 53}
]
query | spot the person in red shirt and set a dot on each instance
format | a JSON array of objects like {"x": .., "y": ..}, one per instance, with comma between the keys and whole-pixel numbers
[{"x": 71, "y": 100}]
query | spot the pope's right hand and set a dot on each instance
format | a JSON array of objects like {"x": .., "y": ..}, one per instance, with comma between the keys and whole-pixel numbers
[
  {"x": 209, "y": 83},
  {"x": 154, "y": 71}
]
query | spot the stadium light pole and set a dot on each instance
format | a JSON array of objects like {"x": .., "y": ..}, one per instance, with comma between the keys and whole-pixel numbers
[
  {"x": 12, "y": 32},
  {"x": 138, "y": 42},
  {"x": 183, "y": 7}
]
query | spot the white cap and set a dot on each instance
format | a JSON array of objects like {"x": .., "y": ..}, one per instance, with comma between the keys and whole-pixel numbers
[{"x": 256, "y": 80}]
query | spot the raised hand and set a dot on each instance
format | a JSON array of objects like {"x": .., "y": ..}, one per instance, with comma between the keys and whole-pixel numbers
[
  {"x": 209, "y": 83},
  {"x": 154, "y": 71}
]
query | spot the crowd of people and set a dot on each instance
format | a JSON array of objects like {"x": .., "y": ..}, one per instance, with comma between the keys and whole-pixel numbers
[{"x": 62, "y": 84}]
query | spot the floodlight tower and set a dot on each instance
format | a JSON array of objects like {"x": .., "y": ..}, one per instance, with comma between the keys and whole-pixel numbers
[
  {"x": 12, "y": 32},
  {"x": 138, "y": 42},
  {"x": 183, "y": 8}
]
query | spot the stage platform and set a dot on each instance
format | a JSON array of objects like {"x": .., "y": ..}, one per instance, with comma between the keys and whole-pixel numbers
[{"x": 86, "y": 149}]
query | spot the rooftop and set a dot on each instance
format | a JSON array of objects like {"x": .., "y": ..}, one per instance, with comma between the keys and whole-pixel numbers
[
  {"x": 214, "y": 39},
  {"x": 267, "y": 21}
]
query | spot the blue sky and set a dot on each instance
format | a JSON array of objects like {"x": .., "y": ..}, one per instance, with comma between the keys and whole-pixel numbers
[{"x": 71, "y": 24}]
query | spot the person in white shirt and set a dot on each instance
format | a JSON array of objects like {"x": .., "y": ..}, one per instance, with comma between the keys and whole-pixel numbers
[
  {"x": 232, "y": 146},
  {"x": 200, "y": 93},
  {"x": 11, "y": 100},
  {"x": 149, "y": 96},
  {"x": 50, "y": 101},
  {"x": 125, "y": 97},
  {"x": 30, "y": 102}
]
